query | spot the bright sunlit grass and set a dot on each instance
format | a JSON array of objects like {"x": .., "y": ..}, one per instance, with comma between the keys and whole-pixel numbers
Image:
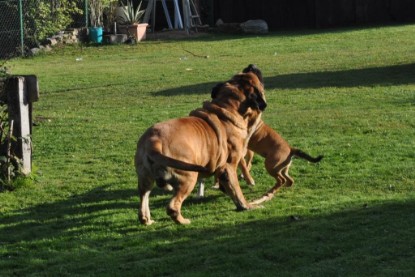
[{"x": 348, "y": 94}]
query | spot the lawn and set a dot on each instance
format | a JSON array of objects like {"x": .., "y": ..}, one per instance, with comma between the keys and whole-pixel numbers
[{"x": 348, "y": 94}]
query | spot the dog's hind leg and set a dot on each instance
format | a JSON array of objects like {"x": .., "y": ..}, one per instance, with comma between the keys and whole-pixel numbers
[
  {"x": 144, "y": 189},
  {"x": 280, "y": 177},
  {"x": 186, "y": 184},
  {"x": 289, "y": 181},
  {"x": 270, "y": 193}
]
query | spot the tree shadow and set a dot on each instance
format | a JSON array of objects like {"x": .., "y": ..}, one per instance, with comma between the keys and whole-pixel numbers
[
  {"x": 221, "y": 34},
  {"x": 367, "y": 77},
  {"x": 35, "y": 223},
  {"x": 202, "y": 88},
  {"x": 371, "y": 238}
]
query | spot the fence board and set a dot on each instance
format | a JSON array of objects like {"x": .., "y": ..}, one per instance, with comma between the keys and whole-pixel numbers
[{"x": 281, "y": 14}]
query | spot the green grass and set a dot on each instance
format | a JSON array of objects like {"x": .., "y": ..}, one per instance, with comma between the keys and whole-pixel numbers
[{"x": 348, "y": 94}]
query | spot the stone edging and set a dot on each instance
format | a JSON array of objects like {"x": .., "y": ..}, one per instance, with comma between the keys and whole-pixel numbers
[{"x": 69, "y": 36}]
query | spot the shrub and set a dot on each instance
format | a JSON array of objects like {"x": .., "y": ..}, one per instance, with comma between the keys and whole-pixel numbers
[
  {"x": 10, "y": 164},
  {"x": 46, "y": 17}
]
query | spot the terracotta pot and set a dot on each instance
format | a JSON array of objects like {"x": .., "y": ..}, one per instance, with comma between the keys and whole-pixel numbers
[{"x": 138, "y": 31}]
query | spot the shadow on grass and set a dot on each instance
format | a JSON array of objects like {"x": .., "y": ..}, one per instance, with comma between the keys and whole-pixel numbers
[
  {"x": 369, "y": 239},
  {"x": 52, "y": 219},
  {"x": 368, "y": 77},
  {"x": 217, "y": 35}
]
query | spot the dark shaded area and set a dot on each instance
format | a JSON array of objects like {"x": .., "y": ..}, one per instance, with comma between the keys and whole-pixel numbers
[
  {"x": 378, "y": 230},
  {"x": 377, "y": 76},
  {"x": 368, "y": 77},
  {"x": 282, "y": 14}
]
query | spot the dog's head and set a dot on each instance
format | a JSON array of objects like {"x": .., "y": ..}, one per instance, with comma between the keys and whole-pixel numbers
[
  {"x": 253, "y": 89},
  {"x": 254, "y": 69},
  {"x": 250, "y": 82},
  {"x": 246, "y": 87}
]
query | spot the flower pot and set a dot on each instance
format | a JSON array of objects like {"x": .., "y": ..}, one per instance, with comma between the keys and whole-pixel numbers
[
  {"x": 95, "y": 34},
  {"x": 138, "y": 31}
]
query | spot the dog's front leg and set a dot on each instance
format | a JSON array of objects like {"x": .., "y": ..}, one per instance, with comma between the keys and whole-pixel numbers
[
  {"x": 228, "y": 179},
  {"x": 245, "y": 172}
]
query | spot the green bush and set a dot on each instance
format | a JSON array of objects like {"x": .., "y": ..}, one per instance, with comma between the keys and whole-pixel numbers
[
  {"x": 10, "y": 164},
  {"x": 46, "y": 17}
]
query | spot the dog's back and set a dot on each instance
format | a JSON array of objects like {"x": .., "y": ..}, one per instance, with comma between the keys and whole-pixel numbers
[{"x": 265, "y": 141}]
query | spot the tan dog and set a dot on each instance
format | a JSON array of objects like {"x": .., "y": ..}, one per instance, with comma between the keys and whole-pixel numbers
[
  {"x": 211, "y": 141},
  {"x": 277, "y": 153}
]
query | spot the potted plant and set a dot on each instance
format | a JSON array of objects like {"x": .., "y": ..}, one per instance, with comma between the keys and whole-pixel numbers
[
  {"x": 96, "y": 10},
  {"x": 132, "y": 18},
  {"x": 110, "y": 16}
]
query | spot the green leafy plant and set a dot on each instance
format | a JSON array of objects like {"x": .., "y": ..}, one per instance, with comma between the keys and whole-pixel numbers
[
  {"x": 10, "y": 164},
  {"x": 44, "y": 18},
  {"x": 131, "y": 16},
  {"x": 96, "y": 11}
]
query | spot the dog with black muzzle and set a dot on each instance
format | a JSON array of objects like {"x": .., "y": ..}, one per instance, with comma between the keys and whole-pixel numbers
[{"x": 210, "y": 141}]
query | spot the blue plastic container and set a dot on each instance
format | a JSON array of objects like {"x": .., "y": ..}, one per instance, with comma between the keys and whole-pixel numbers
[{"x": 95, "y": 34}]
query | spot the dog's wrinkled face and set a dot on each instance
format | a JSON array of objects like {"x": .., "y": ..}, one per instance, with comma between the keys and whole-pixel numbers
[
  {"x": 253, "y": 89},
  {"x": 246, "y": 83}
]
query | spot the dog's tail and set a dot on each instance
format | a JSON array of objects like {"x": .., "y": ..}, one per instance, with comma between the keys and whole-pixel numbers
[
  {"x": 301, "y": 154},
  {"x": 157, "y": 157}
]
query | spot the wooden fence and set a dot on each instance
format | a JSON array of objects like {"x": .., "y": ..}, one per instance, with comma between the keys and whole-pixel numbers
[{"x": 289, "y": 14}]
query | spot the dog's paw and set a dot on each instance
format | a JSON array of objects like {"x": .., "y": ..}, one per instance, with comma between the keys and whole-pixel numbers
[
  {"x": 216, "y": 186},
  {"x": 148, "y": 222},
  {"x": 168, "y": 187},
  {"x": 253, "y": 206},
  {"x": 259, "y": 201},
  {"x": 182, "y": 221}
]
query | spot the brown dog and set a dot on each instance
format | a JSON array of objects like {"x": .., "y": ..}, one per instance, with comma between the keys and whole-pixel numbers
[
  {"x": 277, "y": 153},
  {"x": 211, "y": 141}
]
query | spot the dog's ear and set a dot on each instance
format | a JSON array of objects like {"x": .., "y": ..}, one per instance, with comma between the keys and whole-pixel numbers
[
  {"x": 254, "y": 69},
  {"x": 215, "y": 90}
]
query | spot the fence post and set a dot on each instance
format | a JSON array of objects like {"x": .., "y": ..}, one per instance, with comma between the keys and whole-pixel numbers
[
  {"x": 21, "y": 26},
  {"x": 21, "y": 92},
  {"x": 86, "y": 13}
]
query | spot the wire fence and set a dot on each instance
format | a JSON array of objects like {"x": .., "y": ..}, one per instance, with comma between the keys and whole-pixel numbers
[
  {"x": 25, "y": 23},
  {"x": 10, "y": 31}
]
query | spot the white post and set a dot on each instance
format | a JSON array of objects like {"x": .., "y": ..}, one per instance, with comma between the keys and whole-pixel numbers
[
  {"x": 186, "y": 15},
  {"x": 178, "y": 23},
  {"x": 166, "y": 12}
]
